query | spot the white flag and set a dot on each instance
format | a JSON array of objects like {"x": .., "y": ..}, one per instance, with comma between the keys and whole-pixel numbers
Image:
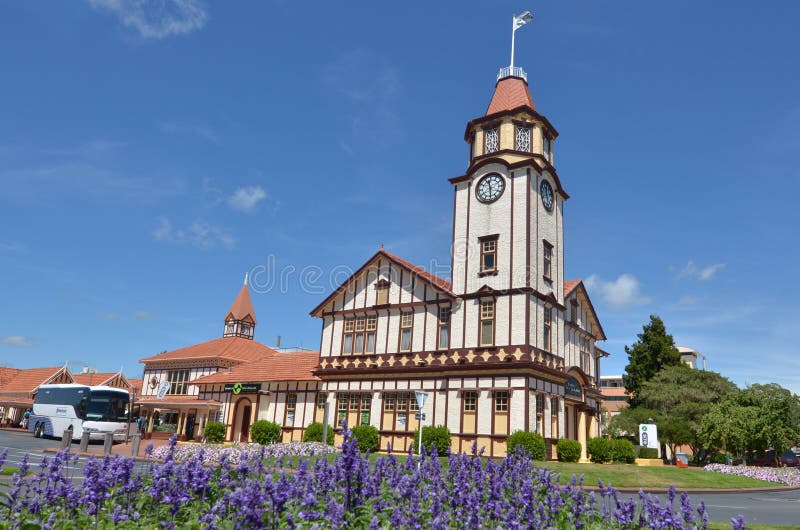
[{"x": 522, "y": 19}]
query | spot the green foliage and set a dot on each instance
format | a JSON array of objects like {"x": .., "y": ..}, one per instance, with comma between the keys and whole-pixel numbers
[
  {"x": 626, "y": 422},
  {"x": 683, "y": 396},
  {"x": 622, "y": 451},
  {"x": 214, "y": 432},
  {"x": 265, "y": 432},
  {"x": 165, "y": 427},
  {"x": 757, "y": 418},
  {"x": 437, "y": 436},
  {"x": 531, "y": 442},
  {"x": 568, "y": 450},
  {"x": 367, "y": 438},
  {"x": 599, "y": 450},
  {"x": 313, "y": 433},
  {"x": 653, "y": 350},
  {"x": 648, "y": 453},
  {"x": 720, "y": 458}
]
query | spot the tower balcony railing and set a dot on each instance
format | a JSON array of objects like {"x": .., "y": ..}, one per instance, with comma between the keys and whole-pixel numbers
[{"x": 512, "y": 71}]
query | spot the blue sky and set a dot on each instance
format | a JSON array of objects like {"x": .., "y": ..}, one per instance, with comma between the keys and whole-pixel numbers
[{"x": 153, "y": 152}]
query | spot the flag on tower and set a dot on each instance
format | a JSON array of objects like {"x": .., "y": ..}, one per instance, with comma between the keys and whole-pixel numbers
[{"x": 522, "y": 19}]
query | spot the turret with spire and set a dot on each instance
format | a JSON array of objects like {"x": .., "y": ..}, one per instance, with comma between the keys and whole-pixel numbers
[{"x": 240, "y": 321}]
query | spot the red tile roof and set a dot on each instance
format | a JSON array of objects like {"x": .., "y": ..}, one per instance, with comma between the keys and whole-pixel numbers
[
  {"x": 234, "y": 349},
  {"x": 7, "y": 374},
  {"x": 26, "y": 381},
  {"x": 242, "y": 306},
  {"x": 570, "y": 285},
  {"x": 510, "y": 93},
  {"x": 288, "y": 366},
  {"x": 94, "y": 379}
]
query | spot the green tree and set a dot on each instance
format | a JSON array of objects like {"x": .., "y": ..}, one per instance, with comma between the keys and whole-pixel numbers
[
  {"x": 730, "y": 425},
  {"x": 625, "y": 424},
  {"x": 683, "y": 396},
  {"x": 653, "y": 350}
]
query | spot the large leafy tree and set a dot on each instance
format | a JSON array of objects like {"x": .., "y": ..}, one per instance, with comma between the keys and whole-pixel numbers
[
  {"x": 683, "y": 396},
  {"x": 654, "y": 350},
  {"x": 758, "y": 418}
]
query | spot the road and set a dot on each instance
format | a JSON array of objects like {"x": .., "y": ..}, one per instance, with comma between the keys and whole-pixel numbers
[{"x": 781, "y": 507}]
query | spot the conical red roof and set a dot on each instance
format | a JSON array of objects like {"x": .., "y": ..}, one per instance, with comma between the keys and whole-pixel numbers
[
  {"x": 242, "y": 306},
  {"x": 510, "y": 93}
]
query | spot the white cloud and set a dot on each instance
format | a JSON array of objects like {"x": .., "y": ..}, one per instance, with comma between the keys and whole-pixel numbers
[
  {"x": 691, "y": 270},
  {"x": 200, "y": 234},
  {"x": 245, "y": 199},
  {"x": 622, "y": 292},
  {"x": 156, "y": 19},
  {"x": 17, "y": 340}
]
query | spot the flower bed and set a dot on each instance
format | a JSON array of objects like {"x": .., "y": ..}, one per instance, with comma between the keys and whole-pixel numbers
[
  {"x": 789, "y": 476},
  {"x": 471, "y": 492},
  {"x": 235, "y": 454}
]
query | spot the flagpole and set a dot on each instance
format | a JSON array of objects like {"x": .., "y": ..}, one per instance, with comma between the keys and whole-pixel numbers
[{"x": 513, "y": 31}]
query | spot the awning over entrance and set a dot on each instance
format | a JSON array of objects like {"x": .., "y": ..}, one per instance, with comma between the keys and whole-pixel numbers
[{"x": 178, "y": 403}]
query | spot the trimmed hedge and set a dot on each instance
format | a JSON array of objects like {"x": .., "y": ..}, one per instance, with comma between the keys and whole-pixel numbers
[
  {"x": 599, "y": 450},
  {"x": 313, "y": 433},
  {"x": 265, "y": 432},
  {"x": 530, "y": 442},
  {"x": 568, "y": 450},
  {"x": 437, "y": 436},
  {"x": 166, "y": 427},
  {"x": 367, "y": 438},
  {"x": 214, "y": 432},
  {"x": 622, "y": 451},
  {"x": 648, "y": 452}
]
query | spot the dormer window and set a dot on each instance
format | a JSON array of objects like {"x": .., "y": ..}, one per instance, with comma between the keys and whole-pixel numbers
[
  {"x": 491, "y": 140},
  {"x": 522, "y": 139},
  {"x": 230, "y": 328}
]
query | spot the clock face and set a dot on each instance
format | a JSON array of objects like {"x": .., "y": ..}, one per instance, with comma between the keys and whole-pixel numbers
[
  {"x": 547, "y": 194},
  {"x": 490, "y": 188}
]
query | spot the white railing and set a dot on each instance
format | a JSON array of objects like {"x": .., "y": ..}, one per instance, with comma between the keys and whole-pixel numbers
[{"x": 512, "y": 71}]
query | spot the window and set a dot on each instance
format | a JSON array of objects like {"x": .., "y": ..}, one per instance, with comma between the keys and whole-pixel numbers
[
  {"x": 388, "y": 402},
  {"x": 547, "y": 148},
  {"x": 547, "y": 265},
  {"x": 402, "y": 405},
  {"x": 382, "y": 296},
  {"x": 501, "y": 401},
  {"x": 487, "y": 323},
  {"x": 491, "y": 140},
  {"x": 573, "y": 314},
  {"x": 361, "y": 323},
  {"x": 291, "y": 406},
  {"x": 349, "y": 327},
  {"x": 522, "y": 139},
  {"x": 372, "y": 326},
  {"x": 406, "y": 323},
  {"x": 178, "y": 381},
  {"x": 444, "y": 328},
  {"x": 488, "y": 253},
  {"x": 322, "y": 399},
  {"x": 585, "y": 360},
  {"x": 547, "y": 330},
  {"x": 470, "y": 400},
  {"x": 554, "y": 409},
  {"x": 540, "y": 413},
  {"x": 355, "y": 408}
]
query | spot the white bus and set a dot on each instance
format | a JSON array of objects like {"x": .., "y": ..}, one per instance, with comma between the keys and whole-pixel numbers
[{"x": 94, "y": 409}]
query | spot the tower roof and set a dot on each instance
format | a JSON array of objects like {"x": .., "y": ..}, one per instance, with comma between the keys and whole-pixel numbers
[
  {"x": 510, "y": 93},
  {"x": 242, "y": 306}
]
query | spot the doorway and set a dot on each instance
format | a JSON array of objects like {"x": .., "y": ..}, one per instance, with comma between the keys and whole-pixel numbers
[{"x": 241, "y": 421}]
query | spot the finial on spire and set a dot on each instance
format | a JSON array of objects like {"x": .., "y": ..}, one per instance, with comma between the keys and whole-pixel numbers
[{"x": 245, "y": 277}]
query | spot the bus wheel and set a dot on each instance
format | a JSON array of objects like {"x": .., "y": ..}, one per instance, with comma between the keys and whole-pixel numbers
[{"x": 38, "y": 432}]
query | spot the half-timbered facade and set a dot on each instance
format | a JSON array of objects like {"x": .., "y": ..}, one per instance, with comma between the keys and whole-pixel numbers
[{"x": 507, "y": 344}]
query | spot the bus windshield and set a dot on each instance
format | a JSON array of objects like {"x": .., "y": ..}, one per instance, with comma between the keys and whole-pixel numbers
[{"x": 106, "y": 406}]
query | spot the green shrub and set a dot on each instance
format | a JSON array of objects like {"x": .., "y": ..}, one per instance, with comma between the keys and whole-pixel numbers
[
  {"x": 265, "y": 432},
  {"x": 436, "y": 436},
  {"x": 367, "y": 438},
  {"x": 166, "y": 427},
  {"x": 648, "y": 452},
  {"x": 568, "y": 450},
  {"x": 622, "y": 451},
  {"x": 313, "y": 433},
  {"x": 720, "y": 458},
  {"x": 530, "y": 442},
  {"x": 600, "y": 450},
  {"x": 214, "y": 432}
]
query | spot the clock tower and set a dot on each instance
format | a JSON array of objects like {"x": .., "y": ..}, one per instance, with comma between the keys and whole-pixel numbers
[{"x": 508, "y": 235}]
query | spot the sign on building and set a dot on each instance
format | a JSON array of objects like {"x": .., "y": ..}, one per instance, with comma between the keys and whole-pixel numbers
[
  {"x": 163, "y": 388},
  {"x": 648, "y": 435},
  {"x": 242, "y": 388},
  {"x": 573, "y": 388}
]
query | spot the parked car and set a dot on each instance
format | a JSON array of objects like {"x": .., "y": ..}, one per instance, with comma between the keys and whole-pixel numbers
[{"x": 768, "y": 459}]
